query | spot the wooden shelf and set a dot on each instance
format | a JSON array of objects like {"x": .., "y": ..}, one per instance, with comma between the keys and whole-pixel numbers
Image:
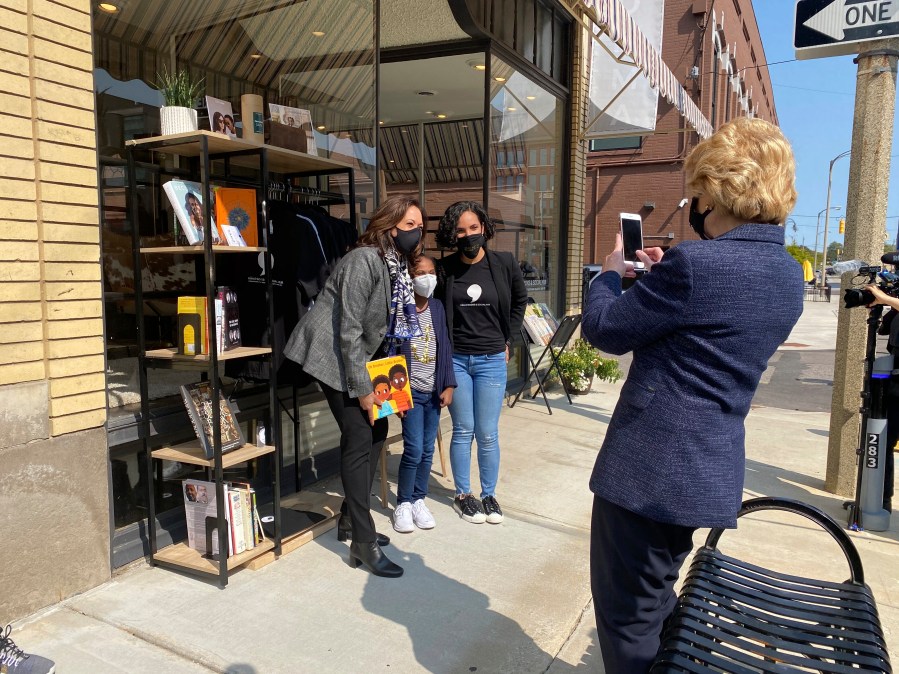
[
  {"x": 192, "y": 453},
  {"x": 280, "y": 160},
  {"x": 172, "y": 354},
  {"x": 180, "y": 554},
  {"x": 199, "y": 250}
]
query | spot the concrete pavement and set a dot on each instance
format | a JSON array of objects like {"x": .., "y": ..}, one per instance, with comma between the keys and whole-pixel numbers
[{"x": 475, "y": 598}]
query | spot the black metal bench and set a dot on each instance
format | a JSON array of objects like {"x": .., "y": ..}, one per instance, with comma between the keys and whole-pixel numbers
[{"x": 743, "y": 619}]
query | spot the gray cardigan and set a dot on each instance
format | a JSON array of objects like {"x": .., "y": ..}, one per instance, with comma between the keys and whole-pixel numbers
[{"x": 346, "y": 325}]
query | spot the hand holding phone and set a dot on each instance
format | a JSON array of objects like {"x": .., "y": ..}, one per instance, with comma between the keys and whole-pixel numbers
[{"x": 631, "y": 226}]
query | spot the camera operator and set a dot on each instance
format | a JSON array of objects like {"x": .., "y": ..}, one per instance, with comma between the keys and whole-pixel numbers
[
  {"x": 881, "y": 297},
  {"x": 702, "y": 324}
]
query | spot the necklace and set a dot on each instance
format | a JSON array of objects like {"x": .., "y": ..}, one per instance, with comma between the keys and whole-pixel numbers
[{"x": 426, "y": 340}]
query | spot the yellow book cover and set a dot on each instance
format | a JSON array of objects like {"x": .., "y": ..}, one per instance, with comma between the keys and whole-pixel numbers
[
  {"x": 236, "y": 207},
  {"x": 390, "y": 383},
  {"x": 193, "y": 305}
]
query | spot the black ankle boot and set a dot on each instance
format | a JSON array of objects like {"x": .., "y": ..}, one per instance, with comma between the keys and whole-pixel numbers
[
  {"x": 370, "y": 556},
  {"x": 345, "y": 532}
]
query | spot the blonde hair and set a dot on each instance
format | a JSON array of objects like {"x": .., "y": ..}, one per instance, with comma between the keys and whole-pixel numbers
[{"x": 746, "y": 168}]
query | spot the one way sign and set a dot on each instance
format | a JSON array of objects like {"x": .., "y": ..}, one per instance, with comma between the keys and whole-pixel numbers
[{"x": 835, "y": 27}]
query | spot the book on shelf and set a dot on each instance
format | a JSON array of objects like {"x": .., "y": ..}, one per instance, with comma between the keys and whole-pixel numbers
[
  {"x": 198, "y": 401},
  {"x": 248, "y": 494},
  {"x": 221, "y": 117},
  {"x": 186, "y": 198},
  {"x": 291, "y": 128},
  {"x": 536, "y": 325},
  {"x": 235, "y": 213},
  {"x": 192, "y": 322},
  {"x": 227, "y": 319},
  {"x": 390, "y": 384},
  {"x": 201, "y": 513},
  {"x": 236, "y": 507}
]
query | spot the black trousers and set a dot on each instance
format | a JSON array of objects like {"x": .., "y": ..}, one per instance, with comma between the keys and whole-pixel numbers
[
  {"x": 360, "y": 448},
  {"x": 634, "y": 563}
]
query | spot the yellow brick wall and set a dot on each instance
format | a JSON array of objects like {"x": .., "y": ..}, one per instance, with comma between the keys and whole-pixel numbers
[
  {"x": 580, "y": 86},
  {"x": 51, "y": 325}
]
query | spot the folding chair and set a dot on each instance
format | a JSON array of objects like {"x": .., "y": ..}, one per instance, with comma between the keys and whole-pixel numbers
[{"x": 559, "y": 340}]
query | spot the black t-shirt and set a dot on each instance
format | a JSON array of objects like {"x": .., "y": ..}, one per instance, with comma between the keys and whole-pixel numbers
[{"x": 476, "y": 326}]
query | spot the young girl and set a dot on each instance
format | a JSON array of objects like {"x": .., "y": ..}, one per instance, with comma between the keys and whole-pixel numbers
[{"x": 430, "y": 359}]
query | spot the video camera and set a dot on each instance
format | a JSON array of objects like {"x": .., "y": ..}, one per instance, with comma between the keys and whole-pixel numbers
[{"x": 887, "y": 282}]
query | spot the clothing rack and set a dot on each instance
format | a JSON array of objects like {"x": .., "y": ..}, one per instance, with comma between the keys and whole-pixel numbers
[{"x": 301, "y": 193}]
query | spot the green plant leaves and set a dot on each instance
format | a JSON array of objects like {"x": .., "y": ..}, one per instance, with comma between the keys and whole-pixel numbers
[{"x": 178, "y": 88}]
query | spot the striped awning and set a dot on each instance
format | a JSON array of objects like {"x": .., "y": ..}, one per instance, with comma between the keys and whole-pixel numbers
[{"x": 610, "y": 17}]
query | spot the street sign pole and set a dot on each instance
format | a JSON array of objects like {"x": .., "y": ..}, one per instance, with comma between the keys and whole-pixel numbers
[{"x": 866, "y": 211}]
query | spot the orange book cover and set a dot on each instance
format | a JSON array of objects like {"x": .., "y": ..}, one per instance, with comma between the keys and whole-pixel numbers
[
  {"x": 390, "y": 383},
  {"x": 236, "y": 206}
]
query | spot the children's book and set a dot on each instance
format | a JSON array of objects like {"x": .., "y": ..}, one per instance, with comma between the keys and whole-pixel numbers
[
  {"x": 186, "y": 198},
  {"x": 390, "y": 383},
  {"x": 198, "y": 401},
  {"x": 235, "y": 212},
  {"x": 221, "y": 117}
]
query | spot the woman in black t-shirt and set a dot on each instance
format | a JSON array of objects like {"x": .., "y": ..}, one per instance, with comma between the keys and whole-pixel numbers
[{"x": 484, "y": 296}]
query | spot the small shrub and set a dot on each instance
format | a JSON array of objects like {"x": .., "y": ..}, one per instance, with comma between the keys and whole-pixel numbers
[{"x": 580, "y": 361}]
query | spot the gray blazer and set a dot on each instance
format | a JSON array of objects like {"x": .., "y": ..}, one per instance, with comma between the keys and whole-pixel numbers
[{"x": 346, "y": 325}]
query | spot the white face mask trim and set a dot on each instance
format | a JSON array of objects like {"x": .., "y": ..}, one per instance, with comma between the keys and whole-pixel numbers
[{"x": 424, "y": 285}]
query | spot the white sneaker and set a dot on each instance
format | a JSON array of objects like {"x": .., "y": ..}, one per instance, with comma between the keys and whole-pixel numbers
[
  {"x": 402, "y": 518},
  {"x": 422, "y": 516}
]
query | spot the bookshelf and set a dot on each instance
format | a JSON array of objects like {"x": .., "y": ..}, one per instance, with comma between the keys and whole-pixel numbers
[{"x": 199, "y": 151}]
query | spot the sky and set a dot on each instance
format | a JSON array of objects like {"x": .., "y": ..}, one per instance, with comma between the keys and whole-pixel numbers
[{"x": 815, "y": 101}]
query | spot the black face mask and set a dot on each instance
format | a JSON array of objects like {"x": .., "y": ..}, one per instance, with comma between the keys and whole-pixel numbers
[
  {"x": 697, "y": 219},
  {"x": 406, "y": 240},
  {"x": 470, "y": 245}
]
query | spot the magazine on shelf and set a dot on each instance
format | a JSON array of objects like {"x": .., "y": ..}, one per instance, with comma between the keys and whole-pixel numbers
[
  {"x": 200, "y": 508},
  {"x": 198, "y": 401},
  {"x": 551, "y": 320},
  {"x": 537, "y": 326},
  {"x": 235, "y": 212},
  {"x": 221, "y": 117},
  {"x": 292, "y": 125},
  {"x": 390, "y": 383},
  {"x": 186, "y": 198}
]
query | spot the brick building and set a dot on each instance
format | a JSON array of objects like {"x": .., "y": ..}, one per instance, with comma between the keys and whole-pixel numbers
[{"x": 713, "y": 48}]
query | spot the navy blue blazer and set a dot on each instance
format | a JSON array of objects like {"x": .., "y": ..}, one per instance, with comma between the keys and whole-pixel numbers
[
  {"x": 443, "y": 371},
  {"x": 702, "y": 325}
]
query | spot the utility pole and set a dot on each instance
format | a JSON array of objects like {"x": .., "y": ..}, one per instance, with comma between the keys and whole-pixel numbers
[
  {"x": 827, "y": 210},
  {"x": 866, "y": 209},
  {"x": 817, "y": 228}
]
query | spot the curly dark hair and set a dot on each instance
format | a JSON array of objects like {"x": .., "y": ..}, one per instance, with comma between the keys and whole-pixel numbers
[
  {"x": 380, "y": 379},
  {"x": 446, "y": 230},
  {"x": 396, "y": 369}
]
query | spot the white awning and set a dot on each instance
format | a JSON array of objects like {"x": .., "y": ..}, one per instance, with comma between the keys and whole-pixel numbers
[{"x": 610, "y": 17}]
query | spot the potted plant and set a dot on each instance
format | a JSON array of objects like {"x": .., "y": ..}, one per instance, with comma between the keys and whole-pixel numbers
[
  {"x": 580, "y": 363},
  {"x": 180, "y": 93}
]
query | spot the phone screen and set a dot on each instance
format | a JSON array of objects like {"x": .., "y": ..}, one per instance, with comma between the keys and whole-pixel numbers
[{"x": 632, "y": 237}]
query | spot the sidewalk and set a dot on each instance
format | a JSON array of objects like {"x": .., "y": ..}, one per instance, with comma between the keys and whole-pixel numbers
[{"x": 474, "y": 598}]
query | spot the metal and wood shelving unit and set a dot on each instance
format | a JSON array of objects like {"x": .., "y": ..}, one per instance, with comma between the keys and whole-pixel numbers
[{"x": 202, "y": 149}]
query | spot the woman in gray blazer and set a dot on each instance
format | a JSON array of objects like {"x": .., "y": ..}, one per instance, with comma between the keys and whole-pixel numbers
[{"x": 364, "y": 302}]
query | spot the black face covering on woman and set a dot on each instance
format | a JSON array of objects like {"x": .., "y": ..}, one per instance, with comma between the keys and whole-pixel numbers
[
  {"x": 697, "y": 219},
  {"x": 470, "y": 245},
  {"x": 406, "y": 240}
]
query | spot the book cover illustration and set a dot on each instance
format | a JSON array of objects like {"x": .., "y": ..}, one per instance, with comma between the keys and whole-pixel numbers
[
  {"x": 390, "y": 383},
  {"x": 221, "y": 117},
  {"x": 198, "y": 401},
  {"x": 235, "y": 207},
  {"x": 297, "y": 121},
  {"x": 538, "y": 329},
  {"x": 199, "y": 507},
  {"x": 186, "y": 198},
  {"x": 227, "y": 319},
  {"x": 551, "y": 319}
]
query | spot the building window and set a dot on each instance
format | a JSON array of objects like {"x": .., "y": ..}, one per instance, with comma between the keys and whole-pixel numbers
[
  {"x": 623, "y": 143},
  {"x": 737, "y": 7}
]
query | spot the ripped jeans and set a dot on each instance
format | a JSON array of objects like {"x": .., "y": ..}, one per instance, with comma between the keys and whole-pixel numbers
[{"x": 477, "y": 403}]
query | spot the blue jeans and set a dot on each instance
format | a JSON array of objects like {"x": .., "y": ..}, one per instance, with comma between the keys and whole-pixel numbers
[
  {"x": 477, "y": 402},
  {"x": 419, "y": 433}
]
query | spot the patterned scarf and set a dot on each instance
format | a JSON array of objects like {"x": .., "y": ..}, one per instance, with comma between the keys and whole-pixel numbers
[{"x": 403, "y": 323}]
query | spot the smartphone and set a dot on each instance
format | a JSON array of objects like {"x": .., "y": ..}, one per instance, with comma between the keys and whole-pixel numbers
[{"x": 632, "y": 237}]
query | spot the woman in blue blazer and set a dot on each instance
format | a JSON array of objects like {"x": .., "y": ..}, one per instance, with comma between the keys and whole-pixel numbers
[{"x": 702, "y": 324}]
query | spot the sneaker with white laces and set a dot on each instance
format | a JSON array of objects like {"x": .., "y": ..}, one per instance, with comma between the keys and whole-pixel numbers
[
  {"x": 15, "y": 661},
  {"x": 492, "y": 509},
  {"x": 402, "y": 518},
  {"x": 422, "y": 517},
  {"x": 469, "y": 509}
]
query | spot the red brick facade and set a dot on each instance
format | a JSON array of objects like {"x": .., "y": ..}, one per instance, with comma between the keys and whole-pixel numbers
[{"x": 650, "y": 180}]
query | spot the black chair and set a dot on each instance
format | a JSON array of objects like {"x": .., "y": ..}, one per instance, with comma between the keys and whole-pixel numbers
[
  {"x": 559, "y": 340},
  {"x": 735, "y": 617}
]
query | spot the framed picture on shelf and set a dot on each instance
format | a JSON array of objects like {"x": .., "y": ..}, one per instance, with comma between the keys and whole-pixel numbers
[
  {"x": 291, "y": 128},
  {"x": 221, "y": 117}
]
